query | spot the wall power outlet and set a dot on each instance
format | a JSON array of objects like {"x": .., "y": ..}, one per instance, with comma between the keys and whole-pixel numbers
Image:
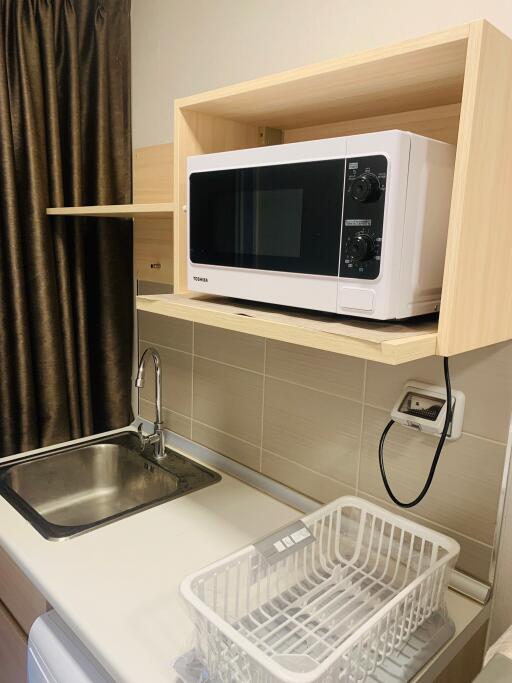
[{"x": 422, "y": 407}]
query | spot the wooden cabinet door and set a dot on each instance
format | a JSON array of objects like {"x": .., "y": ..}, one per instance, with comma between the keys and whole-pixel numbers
[
  {"x": 153, "y": 245},
  {"x": 13, "y": 650},
  {"x": 18, "y": 594}
]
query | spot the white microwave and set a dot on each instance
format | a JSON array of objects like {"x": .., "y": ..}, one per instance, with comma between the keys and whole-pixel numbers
[{"x": 354, "y": 225}]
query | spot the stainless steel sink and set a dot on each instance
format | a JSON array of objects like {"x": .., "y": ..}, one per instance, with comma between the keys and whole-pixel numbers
[{"x": 68, "y": 491}]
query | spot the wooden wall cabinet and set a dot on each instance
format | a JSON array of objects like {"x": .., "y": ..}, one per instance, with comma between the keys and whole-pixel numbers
[
  {"x": 455, "y": 86},
  {"x": 152, "y": 211},
  {"x": 153, "y": 182}
]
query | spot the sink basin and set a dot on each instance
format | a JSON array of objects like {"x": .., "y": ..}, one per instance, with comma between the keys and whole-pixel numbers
[{"x": 68, "y": 491}]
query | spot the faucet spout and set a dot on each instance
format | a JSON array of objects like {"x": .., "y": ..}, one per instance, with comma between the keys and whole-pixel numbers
[{"x": 157, "y": 438}]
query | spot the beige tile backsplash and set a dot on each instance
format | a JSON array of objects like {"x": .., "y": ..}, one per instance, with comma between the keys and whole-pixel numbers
[
  {"x": 242, "y": 350},
  {"x": 181, "y": 424},
  {"x": 312, "y": 420},
  {"x": 176, "y": 379},
  {"x": 314, "y": 429},
  {"x": 169, "y": 332},
  {"x": 465, "y": 489},
  {"x": 228, "y": 398},
  {"x": 321, "y": 370},
  {"x": 475, "y": 557},
  {"x": 241, "y": 451},
  {"x": 308, "y": 481}
]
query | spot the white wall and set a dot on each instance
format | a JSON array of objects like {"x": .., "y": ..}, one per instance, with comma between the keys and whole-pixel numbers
[{"x": 181, "y": 47}]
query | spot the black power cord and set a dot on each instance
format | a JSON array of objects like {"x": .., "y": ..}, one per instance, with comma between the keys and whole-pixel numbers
[{"x": 444, "y": 434}]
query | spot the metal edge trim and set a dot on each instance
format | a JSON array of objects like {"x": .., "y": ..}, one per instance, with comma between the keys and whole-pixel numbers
[
  {"x": 259, "y": 481},
  {"x": 470, "y": 587}
]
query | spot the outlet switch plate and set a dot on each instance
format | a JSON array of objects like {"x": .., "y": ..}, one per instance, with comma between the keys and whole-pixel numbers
[{"x": 422, "y": 407}]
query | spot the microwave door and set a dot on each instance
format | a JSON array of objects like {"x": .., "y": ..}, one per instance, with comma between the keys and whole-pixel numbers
[{"x": 281, "y": 217}]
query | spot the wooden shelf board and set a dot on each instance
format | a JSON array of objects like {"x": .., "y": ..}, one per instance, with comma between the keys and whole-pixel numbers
[
  {"x": 415, "y": 74},
  {"x": 391, "y": 343},
  {"x": 160, "y": 210}
]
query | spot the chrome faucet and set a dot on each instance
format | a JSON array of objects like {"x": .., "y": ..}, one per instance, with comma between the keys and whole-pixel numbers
[{"x": 157, "y": 438}]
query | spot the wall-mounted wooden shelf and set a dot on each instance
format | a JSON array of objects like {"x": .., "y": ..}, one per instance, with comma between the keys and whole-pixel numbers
[
  {"x": 418, "y": 73},
  {"x": 391, "y": 343},
  {"x": 153, "y": 239},
  {"x": 448, "y": 86},
  {"x": 161, "y": 210}
]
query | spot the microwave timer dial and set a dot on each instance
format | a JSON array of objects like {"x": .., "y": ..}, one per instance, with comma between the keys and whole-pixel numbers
[
  {"x": 365, "y": 187},
  {"x": 360, "y": 247}
]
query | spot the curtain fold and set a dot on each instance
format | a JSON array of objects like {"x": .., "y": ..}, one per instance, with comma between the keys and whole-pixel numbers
[{"x": 66, "y": 294}]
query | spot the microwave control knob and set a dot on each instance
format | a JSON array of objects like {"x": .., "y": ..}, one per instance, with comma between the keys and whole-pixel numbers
[
  {"x": 360, "y": 248},
  {"x": 365, "y": 187}
]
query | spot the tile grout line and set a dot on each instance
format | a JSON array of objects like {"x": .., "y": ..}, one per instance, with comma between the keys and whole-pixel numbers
[
  {"x": 362, "y": 401},
  {"x": 138, "y": 361},
  {"x": 148, "y": 342},
  {"x": 229, "y": 365},
  {"x": 170, "y": 410},
  {"x": 364, "y": 406},
  {"x": 263, "y": 402},
  {"x": 426, "y": 521},
  {"x": 308, "y": 469},
  {"x": 245, "y": 369},
  {"x": 464, "y": 432},
  {"x": 276, "y": 377},
  {"x": 231, "y": 436},
  {"x": 256, "y": 372},
  {"x": 249, "y": 443},
  {"x": 307, "y": 386},
  {"x": 421, "y": 518},
  {"x": 360, "y": 448}
]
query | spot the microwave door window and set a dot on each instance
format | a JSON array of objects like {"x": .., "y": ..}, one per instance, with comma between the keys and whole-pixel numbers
[
  {"x": 284, "y": 217},
  {"x": 277, "y": 222}
]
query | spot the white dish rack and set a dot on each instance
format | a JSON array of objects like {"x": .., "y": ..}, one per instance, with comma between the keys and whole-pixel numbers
[{"x": 331, "y": 610}]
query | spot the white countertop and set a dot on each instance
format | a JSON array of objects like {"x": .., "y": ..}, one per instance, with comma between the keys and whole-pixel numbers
[{"x": 117, "y": 586}]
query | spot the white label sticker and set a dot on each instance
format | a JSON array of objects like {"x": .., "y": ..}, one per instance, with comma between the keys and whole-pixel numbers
[
  {"x": 300, "y": 535},
  {"x": 284, "y": 542},
  {"x": 288, "y": 541}
]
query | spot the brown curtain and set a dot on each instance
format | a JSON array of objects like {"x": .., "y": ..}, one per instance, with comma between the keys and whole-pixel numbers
[{"x": 65, "y": 284}]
